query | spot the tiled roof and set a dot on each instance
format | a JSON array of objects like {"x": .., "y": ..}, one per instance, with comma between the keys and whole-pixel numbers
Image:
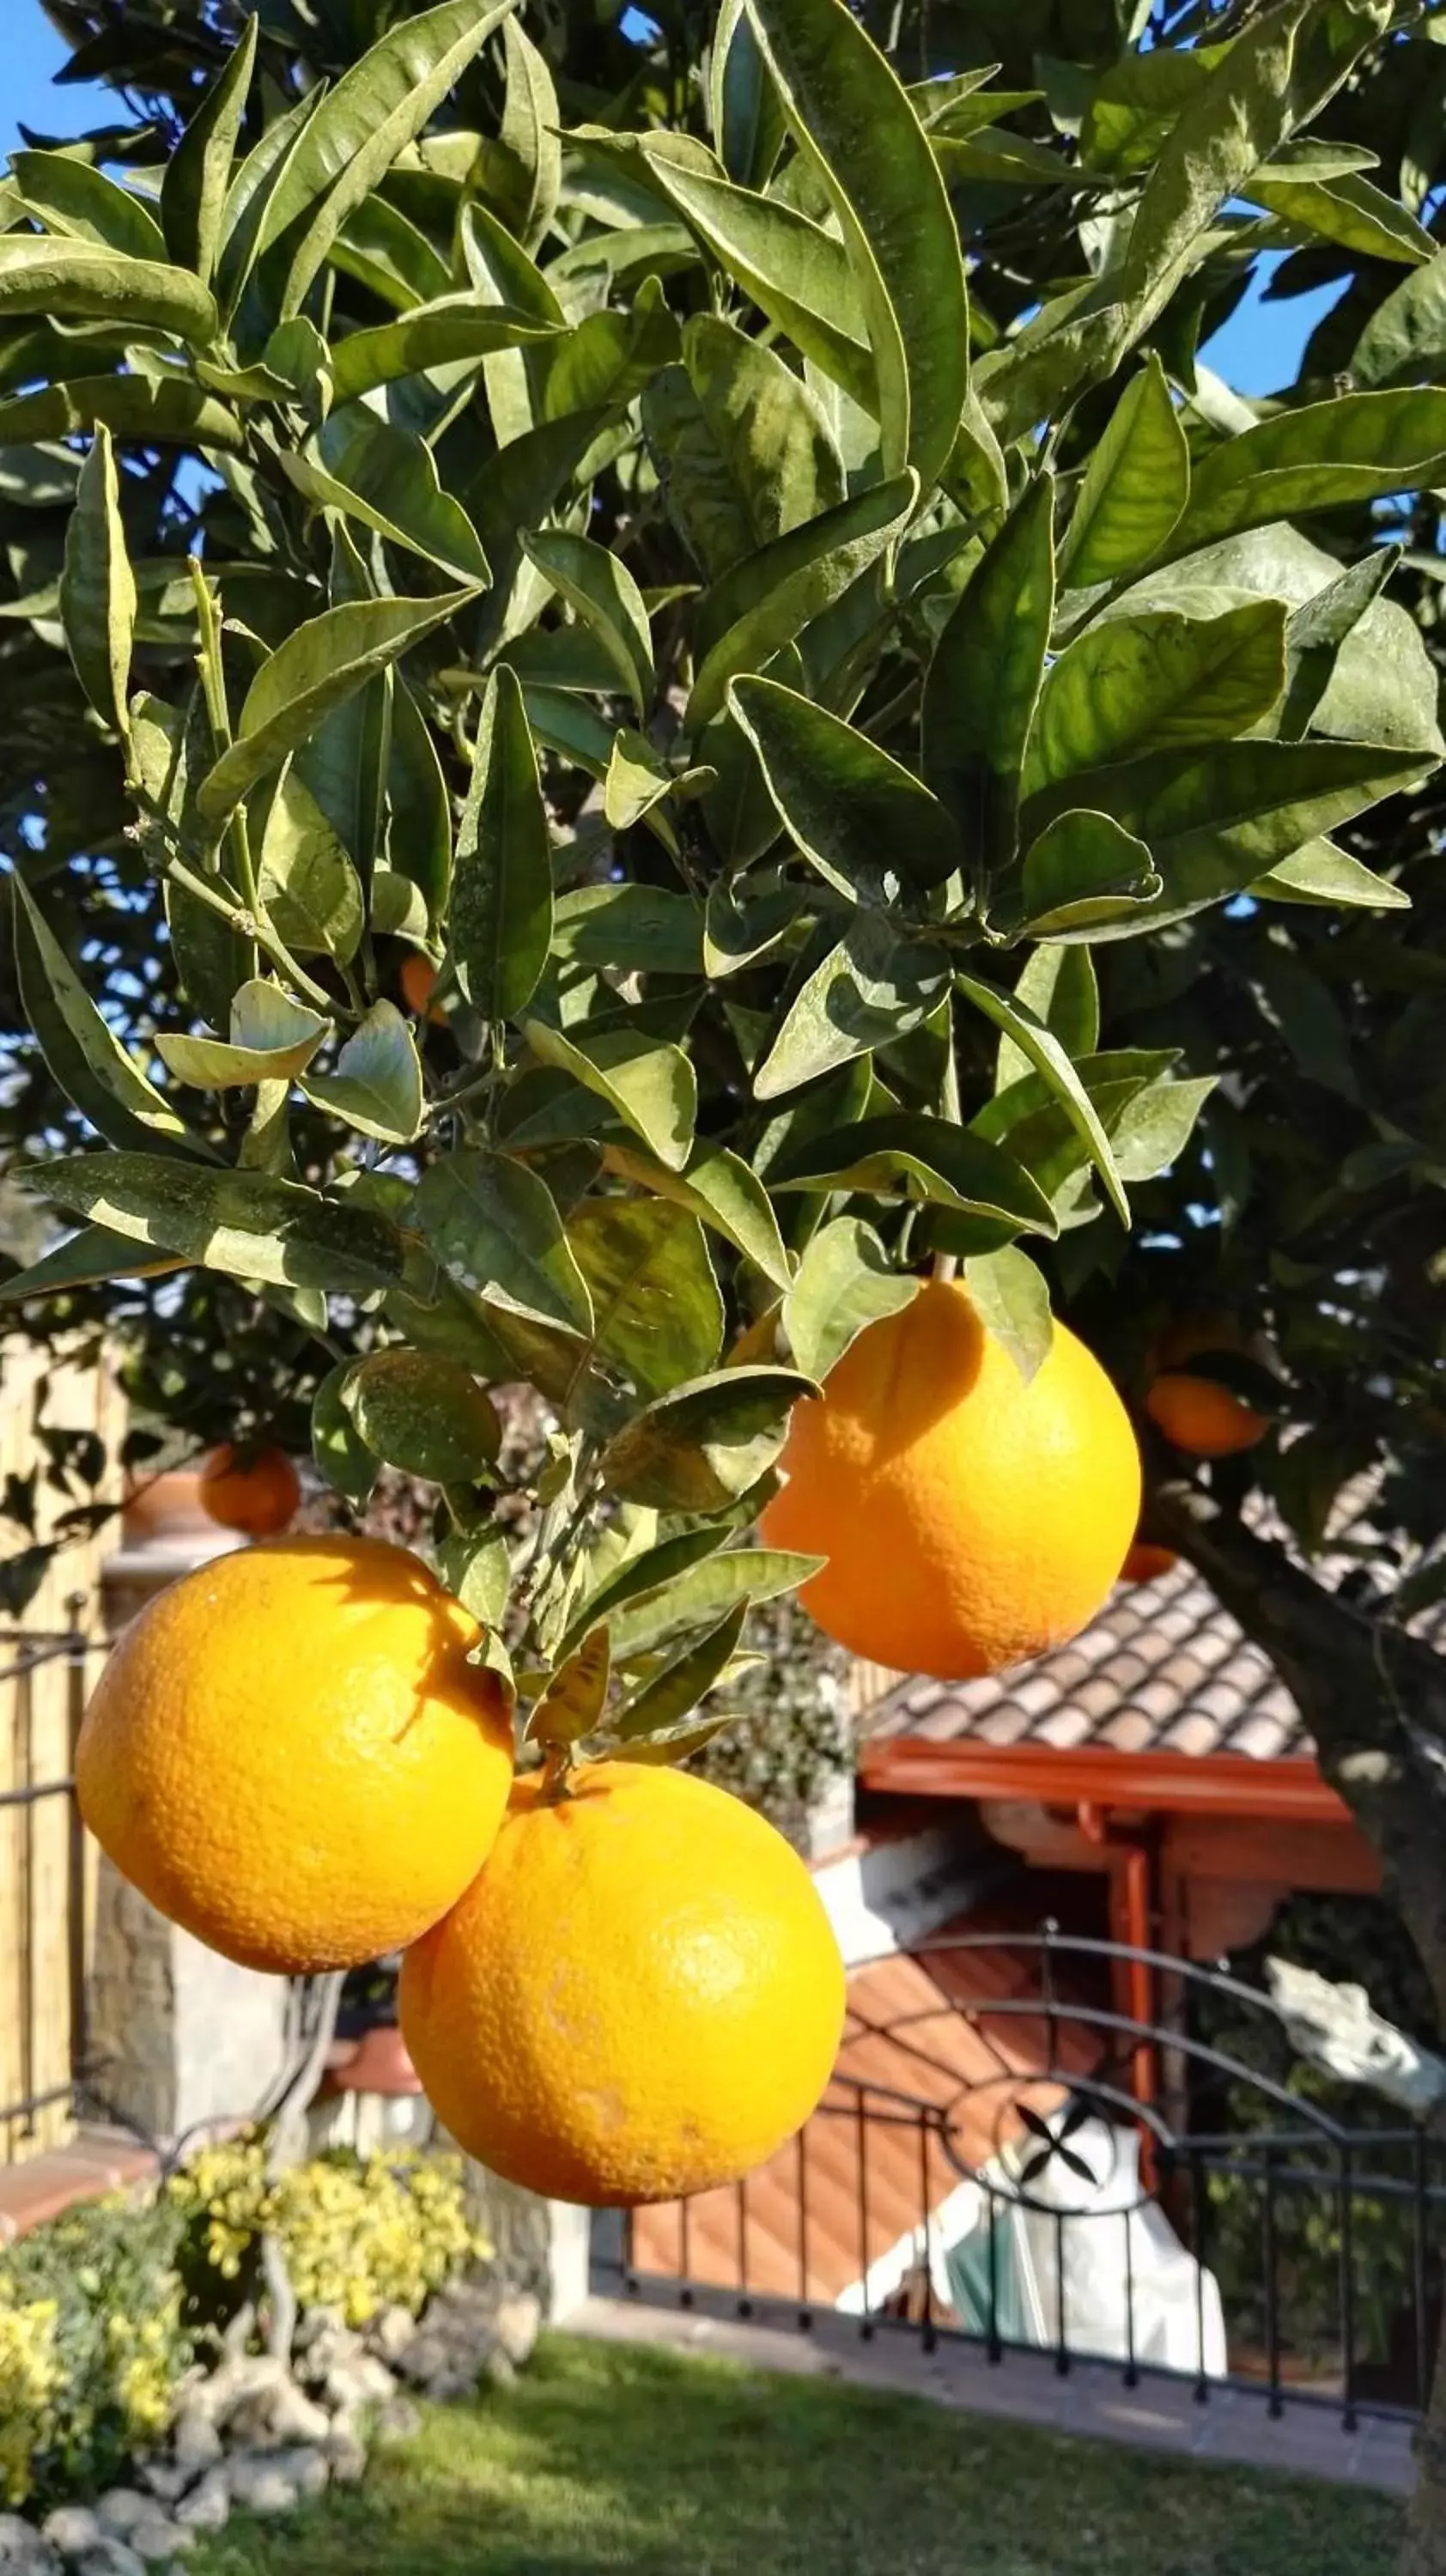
[
  {"x": 848, "y": 2196},
  {"x": 1163, "y": 1669}
]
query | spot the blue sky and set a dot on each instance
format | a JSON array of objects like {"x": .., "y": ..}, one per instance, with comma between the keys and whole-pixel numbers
[{"x": 1256, "y": 352}]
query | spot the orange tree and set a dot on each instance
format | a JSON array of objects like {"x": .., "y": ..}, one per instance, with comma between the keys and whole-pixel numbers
[{"x": 887, "y": 768}]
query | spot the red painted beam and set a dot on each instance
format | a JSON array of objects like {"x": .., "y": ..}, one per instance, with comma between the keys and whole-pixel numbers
[{"x": 1222, "y": 1784}]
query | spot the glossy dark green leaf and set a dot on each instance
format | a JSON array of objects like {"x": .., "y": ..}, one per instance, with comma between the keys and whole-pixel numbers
[
  {"x": 375, "y": 1085},
  {"x": 501, "y": 917},
  {"x": 1135, "y": 486},
  {"x": 1084, "y": 869},
  {"x": 170, "y": 413},
  {"x": 82, "y": 281},
  {"x": 1404, "y": 342},
  {"x": 79, "y": 202},
  {"x": 1059, "y": 985},
  {"x": 423, "y": 1414},
  {"x": 252, "y": 188},
  {"x": 529, "y": 140},
  {"x": 845, "y": 1282},
  {"x": 772, "y": 595},
  {"x": 91, "y": 1257},
  {"x": 342, "y": 1457},
  {"x": 984, "y": 679},
  {"x": 700, "y": 1447},
  {"x": 98, "y": 590},
  {"x": 598, "y": 586},
  {"x": 650, "y": 1085},
  {"x": 386, "y": 479},
  {"x": 871, "y": 988},
  {"x": 445, "y": 333},
  {"x": 83, "y": 1052},
  {"x": 419, "y": 835},
  {"x": 1153, "y": 680},
  {"x": 870, "y": 827},
  {"x": 656, "y": 1307},
  {"x": 240, "y": 1222},
  {"x": 318, "y": 667},
  {"x": 1012, "y": 1299},
  {"x": 853, "y": 121},
  {"x": 198, "y": 174},
  {"x": 769, "y": 463},
  {"x": 1138, "y": 101},
  {"x": 608, "y": 358},
  {"x": 306, "y": 881},
  {"x": 639, "y": 928},
  {"x": 1356, "y": 448},
  {"x": 745, "y": 113},
  {"x": 1037, "y": 1040},
  {"x": 676, "y": 1691},
  {"x": 910, "y": 1157},
  {"x": 496, "y": 1225},
  {"x": 270, "y": 1038},
  {"x": 721, "y": 1190}
]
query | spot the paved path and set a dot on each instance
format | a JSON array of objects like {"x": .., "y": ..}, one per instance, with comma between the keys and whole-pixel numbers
[{"x": 1161, "y": 2414}]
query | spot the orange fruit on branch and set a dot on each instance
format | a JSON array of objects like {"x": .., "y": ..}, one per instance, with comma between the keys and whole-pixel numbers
[
  {"x": 290, "y": 1755},
  {"x": 418, "y": 980},
  {"x": 640, "y": 1996},
  {"x": 1202, "y": 1417},
  {"x": 1146, "y": 1562},
  {"x": 257, "y": 1492},
  {"x": 969, "y": 1519}
]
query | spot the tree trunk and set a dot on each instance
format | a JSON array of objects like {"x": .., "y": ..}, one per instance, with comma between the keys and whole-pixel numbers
[{"x": 1374, "y": 1700}]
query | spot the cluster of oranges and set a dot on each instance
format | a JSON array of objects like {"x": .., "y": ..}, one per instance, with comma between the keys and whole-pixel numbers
[{"x": 619, "y": 1983}]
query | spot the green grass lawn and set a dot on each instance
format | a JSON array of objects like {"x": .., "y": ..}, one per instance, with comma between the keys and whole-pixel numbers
[{"x": 674, "y": 2466}]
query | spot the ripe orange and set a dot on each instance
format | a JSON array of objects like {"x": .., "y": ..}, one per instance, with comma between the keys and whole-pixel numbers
[
  {"x": 257, "y": 1493},
  {"x": 418, "y": 980},
  {"x": 969, "y": 1520},
  {"x": 290, "y": 1755},
  {"x": 1146, "y": 1563},
  {"x": 639, "y": 1997},
  {"x": 1201, "y": 1417}
]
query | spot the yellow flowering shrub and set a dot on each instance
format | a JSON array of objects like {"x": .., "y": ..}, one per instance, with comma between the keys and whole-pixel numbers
[
  {"x": 92, "y": 2345},
  {"x": 358, "y": 2233},
  {"x": 30, "y": 2380}
]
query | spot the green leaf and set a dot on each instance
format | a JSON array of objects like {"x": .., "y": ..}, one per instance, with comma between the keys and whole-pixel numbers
[
  {"x": 98, "y": 590},
  {"x": 381, "y": 105},
  {"x": 661, "y": 1604},
  {"x": 796, "y": 273},
  {"x": 1320, "y": 873},
  {"x": 845, "y": 1282},
  {"x": 79, "y": 281},
  {"x": 317, "y": 669},
  {"x": 170, "y": 413},
  {"x": 1083, "y": 870},
  {"x": 1135, "y": 487},
  {"x": 1316, "y": 631},
  {"x": 703, "y": 1445},
  {"x": 501, "y": 916},
  {"x": 1345, "y": 209},
  {"x": 476, "y": 1566},
  {"x": 745, "y": 113},
  {"x": 608, "y": 357},
  {"x": 83, "y": 1052},
  {"x": 310, "y": 890},
  {"x": 656, "y": 1307},
  {"x": 91, "y": 1257},
  {"x": 271, "y": 1039},
  {"x": 198, "y": 174},
  {"x": 772, "y": 595},
  {"x": 342, "y": 1457},
  {"x": 376, "y": 1084},
  {"x": 650, "y": 1086},
  {"x": 73, "y": 199},
  {"x": 909, "y": 1157},
  {"x": 744, "y": 445},
  {"x": 853, "y": 122},
  {"x": 719, "y": 1187},
  {"x": 496, "y": 1225},
  {"x": 1153, "y": 1130},
  {"x": 387, "y": 479},
  {"x": 870, "y": 989},
  {"x": 1012, "y": 1298},
  {"x": 676, "y": 1691},
  {"x": 1037, "y": 1040},
  {"x": 869, "y": 826},
  {"x": 1404, "y": 342},
  {"x": 419, "y": 836},
  {"x": 448, "y": 332},
  {"x": 1360, "y": 447},
  {"x": 575, "y": 1697},
  {"x": 1152, "y": 680},
  {"x": 649, "y": 1571},
  {"x": 599, "y": 587},
  {"x": 640, "y": 928},
  {"x": 984, "y": 679},
  {"x": 1060, "y": 986},
  {"x": 637, "y": 780},
  {"x": 241, "y": 1222},
  {"x": 529, "y": 136},
  {"x": 423, "y": 1414},
  {"x": 1137, "y": 103},
  {"x": 1216, "y": 820}
]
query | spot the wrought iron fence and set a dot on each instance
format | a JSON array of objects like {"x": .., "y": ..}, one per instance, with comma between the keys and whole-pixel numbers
[
  {"x": 1047, "y": 2169},
  {"x": 43, "y": 1926}
]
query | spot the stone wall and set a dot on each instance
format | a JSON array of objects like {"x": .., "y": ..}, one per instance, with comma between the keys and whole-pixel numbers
[{"x": 178, "y": 2036}]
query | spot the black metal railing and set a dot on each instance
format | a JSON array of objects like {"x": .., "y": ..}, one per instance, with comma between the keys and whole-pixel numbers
[
  {"x": 957, "y": 2189},
  {"x": 24, "y": 2006}
]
